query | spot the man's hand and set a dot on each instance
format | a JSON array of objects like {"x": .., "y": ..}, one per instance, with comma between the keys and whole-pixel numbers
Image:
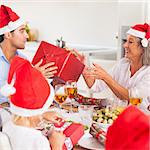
[{"x": 48, "y": 70}]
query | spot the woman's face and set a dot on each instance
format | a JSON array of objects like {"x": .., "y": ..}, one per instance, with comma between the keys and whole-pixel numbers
[{"x": 133, "y": 49}]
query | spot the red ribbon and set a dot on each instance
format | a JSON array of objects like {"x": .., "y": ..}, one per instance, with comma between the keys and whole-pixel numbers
[{"x": 100, "y": 133}]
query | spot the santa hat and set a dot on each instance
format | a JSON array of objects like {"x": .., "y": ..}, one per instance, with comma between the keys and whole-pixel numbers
[
  {"x": 30, "y": 92},
  {"x": 9, "y": 20},
  {"x": 142, "y": 31},
  {"x": 129, "y": 131}
]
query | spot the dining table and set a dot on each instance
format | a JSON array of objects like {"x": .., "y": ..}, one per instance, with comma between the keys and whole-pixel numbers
[{"x": 84, "y": 117}]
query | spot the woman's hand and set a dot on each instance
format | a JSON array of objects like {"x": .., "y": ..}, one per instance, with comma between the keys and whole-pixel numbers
[
  {"x": 98, "y": 72},
  {"x": 79, "y": 56},
  {"x": 52, "y": 117},
  {"x": 57, "y": 140},
  {"x": 48, "y": 70},
  {"x": 75, "y": 52},
  {"x": 88, "y": 76}
]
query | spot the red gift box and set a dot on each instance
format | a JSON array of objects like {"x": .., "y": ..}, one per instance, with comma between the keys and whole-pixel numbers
[
  {"x": 60, "y": 124},
  {"x": 69, "y": 67},
  {"x": 73, "y": 133}
]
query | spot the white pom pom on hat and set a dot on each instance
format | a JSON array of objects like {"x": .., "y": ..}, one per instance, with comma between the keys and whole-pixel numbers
[
  {"x": 7, "y": 90},
  {"x": 144, "y": 42}
]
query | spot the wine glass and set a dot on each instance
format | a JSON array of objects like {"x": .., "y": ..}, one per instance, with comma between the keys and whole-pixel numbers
[
  {"x": 134, "y": 98},
  {"x": 135, "y": 101},
  {"x": 60, "y": 94},
  {"x": 71, "y": 90}
]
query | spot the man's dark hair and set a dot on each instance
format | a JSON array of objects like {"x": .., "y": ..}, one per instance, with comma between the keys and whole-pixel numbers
[{"x": 2, "y": 36}]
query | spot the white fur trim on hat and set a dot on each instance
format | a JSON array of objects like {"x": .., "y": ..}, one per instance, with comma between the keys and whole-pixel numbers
[
  {"x": 8, "y": 89},
  {"x": 33, "y": 112},
  {"x": 136, "y": 33},
  {"x": 12, "y": 26}
]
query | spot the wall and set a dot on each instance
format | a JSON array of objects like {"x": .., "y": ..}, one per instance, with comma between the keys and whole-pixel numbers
[
  {"x": 79, "y": 22},
  {"x": 130, "y": 12},
  {"x": 87, "y": 23}
]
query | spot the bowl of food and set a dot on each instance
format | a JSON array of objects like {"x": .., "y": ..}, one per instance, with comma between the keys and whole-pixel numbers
[{"x": 105, "y": 117}]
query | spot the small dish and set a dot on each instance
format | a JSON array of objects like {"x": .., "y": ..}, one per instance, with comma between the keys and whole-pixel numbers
[{"x": 88, "y": 142}]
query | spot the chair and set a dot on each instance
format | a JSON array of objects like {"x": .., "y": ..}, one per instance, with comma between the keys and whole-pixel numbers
[{"x": 4, "y": 142}]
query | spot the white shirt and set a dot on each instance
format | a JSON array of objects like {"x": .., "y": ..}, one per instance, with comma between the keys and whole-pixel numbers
[
  {"x": 23, "y": 138},
  {"x": 138, "y": 85},
  {"x": 4, "y": 116}
]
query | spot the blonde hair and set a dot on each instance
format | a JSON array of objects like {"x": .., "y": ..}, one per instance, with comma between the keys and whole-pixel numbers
[
  {"x": 26, "y": 121},
  {"x": 146, "y": 55},
  {"x": 20, "y": 120}
]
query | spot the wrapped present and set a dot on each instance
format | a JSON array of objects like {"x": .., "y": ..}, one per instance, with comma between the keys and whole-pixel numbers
[
  {"x": 69, "y": 67},
  {"x": 73, "y": 133},
  {"x": 91, "y": 101},
  {"x": 98, "y": 133},
  {"x": 46, "y": 126},
  {"x": 60, "y": 123}
]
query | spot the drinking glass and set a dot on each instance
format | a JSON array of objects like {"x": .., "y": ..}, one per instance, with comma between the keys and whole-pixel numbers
[
  {"x": 60, "y": 94},
  {"x": 134, "y": 98},
  {"x": 71, "y": 90},
  {"x": 135, "y": 101}
]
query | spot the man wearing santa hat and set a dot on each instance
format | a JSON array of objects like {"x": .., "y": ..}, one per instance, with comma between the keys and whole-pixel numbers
[
  {"x": 13, "y": 36},
  {"x": 30, "y": 98},
  {"x": 130, "y": 77}
]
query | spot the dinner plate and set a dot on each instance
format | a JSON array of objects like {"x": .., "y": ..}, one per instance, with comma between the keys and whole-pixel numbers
[{"x": 87, "y": 141}]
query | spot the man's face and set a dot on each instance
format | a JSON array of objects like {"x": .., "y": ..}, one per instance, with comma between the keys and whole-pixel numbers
[{"x": 19, "y": 37}]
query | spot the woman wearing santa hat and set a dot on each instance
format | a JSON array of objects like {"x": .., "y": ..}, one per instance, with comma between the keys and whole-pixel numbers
[
  {"x": 130, "y": 77},
  {"x": 30, "y": 98},
  {"x": 13, "y": 36}
]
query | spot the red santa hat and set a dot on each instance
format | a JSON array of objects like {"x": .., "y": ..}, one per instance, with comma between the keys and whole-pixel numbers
[
  {"x": 30, "y": 92},
  {"x": 9, "y": 20},
  {"x": 142, "y": 31},
  {"x": 129, "y": 131}
]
